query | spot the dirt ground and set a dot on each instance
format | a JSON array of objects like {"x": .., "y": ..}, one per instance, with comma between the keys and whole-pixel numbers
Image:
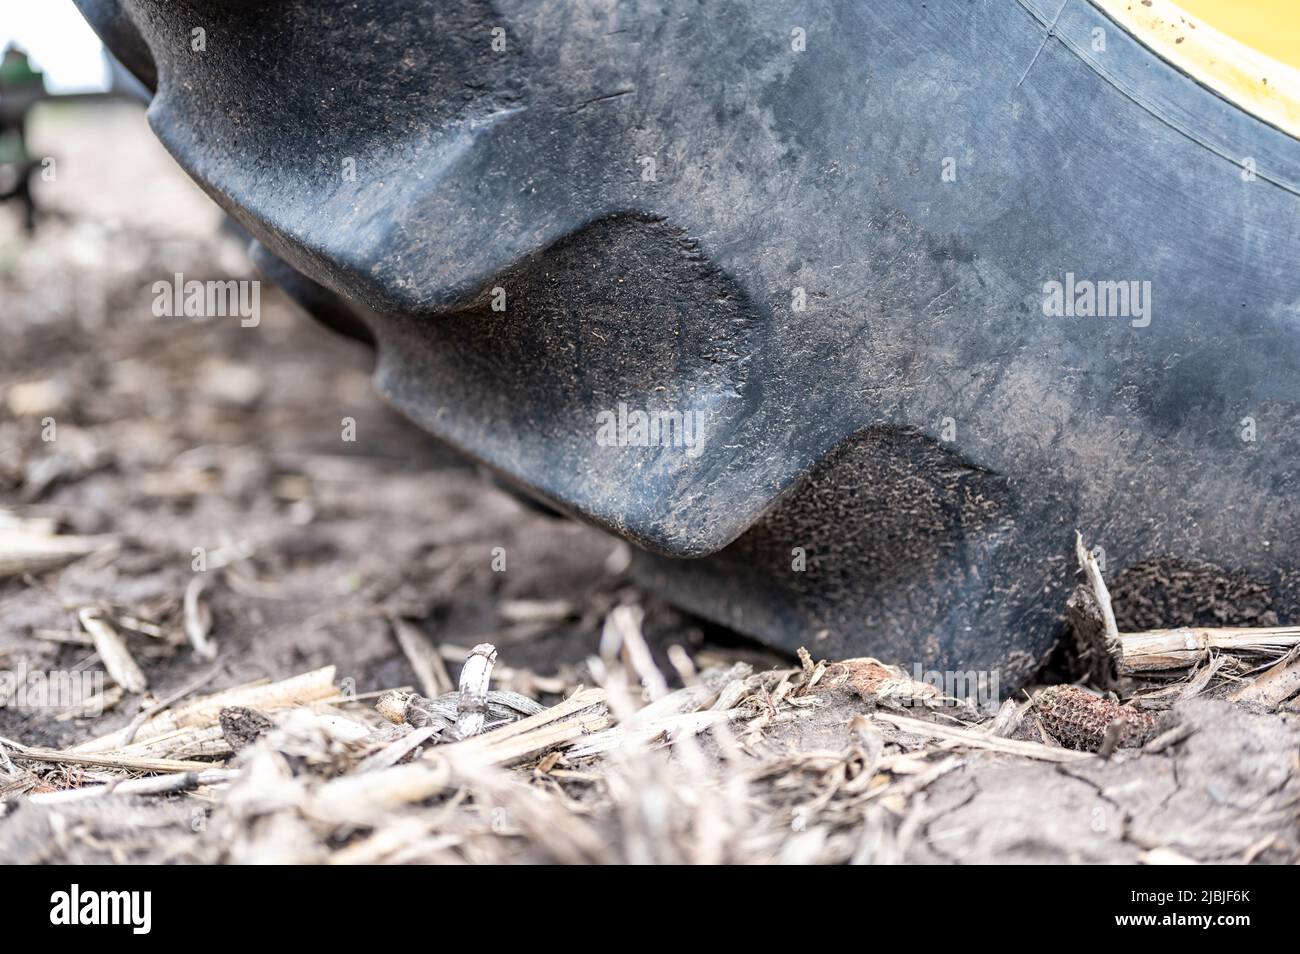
[{"x": 324, "y": 523}]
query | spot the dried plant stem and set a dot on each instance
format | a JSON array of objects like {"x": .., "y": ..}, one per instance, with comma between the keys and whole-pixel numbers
[
  {"x": 24, "y": 550},
  {"x": 471, "y": 707},
  {"x": 642, "y": 731},
  {"x": 355, "y": 798},
  {"x": 198, "y": 620},
  {"x": 424, "y": 659},
  {"x": 163, "y": 704},
  {"x": 363, "y": 795},
  {"x": 975, "y": 739},
  {"x": 1098, "y": 585},
  {"x": 1181, "y": 648},
  {"x": 1274, "y": 686},
  {"x": 122, "y": 762},
  {"x": 156, "y": 785},
  {"x": 394, "y": 752},
  {"x": 299, "y": 690},
  {"x": 122, "y": 668},
  {"x": 563, "y": 722},
  {"x": 190, "y": 742},
  {"x": 511, "y": 750}
]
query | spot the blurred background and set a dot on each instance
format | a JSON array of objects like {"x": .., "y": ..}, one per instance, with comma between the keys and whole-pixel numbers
[
  {"x": 73, "y": 134},
  {"x": 59, "y": 43}
]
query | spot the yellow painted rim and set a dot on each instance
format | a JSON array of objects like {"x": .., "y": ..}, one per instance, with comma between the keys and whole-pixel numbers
[{"x": 1215, "y": 48}]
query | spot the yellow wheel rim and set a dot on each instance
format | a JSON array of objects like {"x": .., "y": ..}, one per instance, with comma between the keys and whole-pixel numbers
[{"x": 1248, "y": 51}]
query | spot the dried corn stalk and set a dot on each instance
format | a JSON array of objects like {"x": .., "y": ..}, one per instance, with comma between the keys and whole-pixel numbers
[
  {"x": 1181, "y": 648},
  {"x": 1273, "y": 687},
  {"x": 206, "y": 711},
  {"x": 581, "y": 714},
  {"x": 33, "y": 547}
]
